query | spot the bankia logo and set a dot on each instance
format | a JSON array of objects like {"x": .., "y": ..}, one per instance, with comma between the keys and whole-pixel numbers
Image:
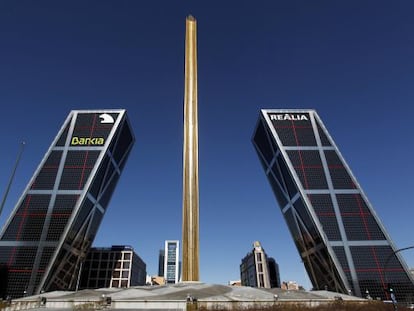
[
  {"x": 87, "y": 141},
  {"x": 106, "y": 118},
  {"x": 289, "y": 117}
]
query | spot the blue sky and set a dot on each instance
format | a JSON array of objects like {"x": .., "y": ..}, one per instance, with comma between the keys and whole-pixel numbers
[{"x": 352, "y": 61}]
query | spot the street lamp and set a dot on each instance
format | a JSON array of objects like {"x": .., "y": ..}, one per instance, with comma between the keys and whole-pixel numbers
[{"x": 390, "y": 289}]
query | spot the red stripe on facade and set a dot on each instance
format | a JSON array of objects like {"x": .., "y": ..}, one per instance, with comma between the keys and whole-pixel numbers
[
  {"x": 44, "y": 214},
  {"x": 376, "y": 270},
  {"x": 373, "y": 252},
  {"x": 326, "y": 214},
  {"x": 78, "y": 167},
  {"x": 25, "y": 271},
  {"x": 302, "y": 167},
  {"x": 97, "y": 126},
  {"x": 342, "y": 214},
  {"x": 19, "y": 231},
  {"x": 289, "y": 127},
  {"x": 338, "y": 167},
  {"x": 362, "y": 214},
  {"x": 86, "y": 154}
]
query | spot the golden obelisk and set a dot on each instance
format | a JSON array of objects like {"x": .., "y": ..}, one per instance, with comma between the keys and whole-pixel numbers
[{"x": 190, "y": 259}]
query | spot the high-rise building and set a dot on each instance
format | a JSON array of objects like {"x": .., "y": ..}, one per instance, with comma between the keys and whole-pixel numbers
[
  {"x": 55, "y": 221},
  {"x": 340, "y": 239},
  {"x": 254, "y": 268},
  {"x": 172, "y": 261},
  {"x": 113, "y": 267},
  {"x": 161, "y": 260}
]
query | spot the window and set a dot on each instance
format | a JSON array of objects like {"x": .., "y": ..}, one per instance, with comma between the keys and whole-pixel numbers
[{"x": 261, "y": 280}]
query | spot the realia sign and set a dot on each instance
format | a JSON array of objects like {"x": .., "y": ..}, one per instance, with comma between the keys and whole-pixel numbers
[{"x": 289, "y": 117}]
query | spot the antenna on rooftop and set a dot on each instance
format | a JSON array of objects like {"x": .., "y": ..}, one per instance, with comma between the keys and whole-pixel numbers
[{"x": 12, "y": 176}]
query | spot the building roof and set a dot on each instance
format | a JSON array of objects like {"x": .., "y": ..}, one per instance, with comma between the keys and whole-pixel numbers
[{"x": 181, "y": 291}]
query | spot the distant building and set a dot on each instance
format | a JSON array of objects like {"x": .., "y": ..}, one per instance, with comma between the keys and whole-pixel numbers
[
  {"x": 290, "y": 285},
  {"x": 254, "y": 269},
  {"x": 116, "y": 266},
  {"x": 171, "y": 261},
  {"x": 161, "y": 261},
  {"x": 155, "y": 280},
  {"x": 274, "y": 274},
  {"x": 235, "y": 283}
]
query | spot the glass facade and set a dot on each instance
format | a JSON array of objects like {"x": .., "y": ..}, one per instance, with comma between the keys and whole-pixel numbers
[
  {"x": 171, "y": 264},
  {"x": 341, "y": 241},
  {"x": 257, "y": 270},
  {"x": 117, "y": 266},
  {"x": 56, "y": 219}
]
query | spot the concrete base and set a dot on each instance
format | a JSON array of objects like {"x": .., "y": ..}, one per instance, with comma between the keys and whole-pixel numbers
[{"x": 181, "y": 296}]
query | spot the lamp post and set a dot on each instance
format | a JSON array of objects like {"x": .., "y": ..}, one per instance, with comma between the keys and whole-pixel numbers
[
  {"x": 391, "y": 290},
  {"x": 12, "y": 176}
]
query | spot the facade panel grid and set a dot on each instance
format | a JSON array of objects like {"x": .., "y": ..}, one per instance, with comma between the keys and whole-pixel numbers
[
  {"x": 77, "y": 168},
  {"x": 358, "y": 219},
  {"x": 287, "y": 178},
  {"x": 308, "y": 166},
  {"x": 323, "y": 137},
  {"x": 343, "y": 245},
  {"x": 341, "y": 178},
  {"x": 279, "y": 192},
  {"x": 28, "y": 219},
  {"x": 323, "y": 207},
  {"x": 343, "y": 261},
  {"x": 360, "y": 228},
  {"x": 293, "y": 132},
  {"x": 62, "y": 223},
  {"x": 63, "y": 136},
  {"x": 45, "y": 179}
]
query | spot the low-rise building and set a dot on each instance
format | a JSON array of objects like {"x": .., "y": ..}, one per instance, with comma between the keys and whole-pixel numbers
[
  {"x": 235, "y": 283},
  {"x": 290, "y": 285},
  {"x": 116, "y": 266}
]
